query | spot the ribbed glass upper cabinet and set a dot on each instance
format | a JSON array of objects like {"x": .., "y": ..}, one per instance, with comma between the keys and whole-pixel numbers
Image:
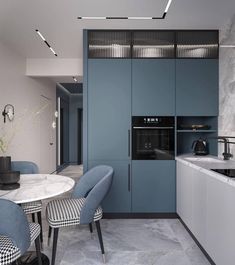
[
  {"x": 109, "y": 109},
  {"x": 153, "y": 73}
]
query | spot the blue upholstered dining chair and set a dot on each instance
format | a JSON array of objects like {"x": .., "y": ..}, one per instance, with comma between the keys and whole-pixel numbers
[
  {"x": 16, "y": 234},
  {"x": 84, "y": 205},
  {"x": 27, "y": 167}
]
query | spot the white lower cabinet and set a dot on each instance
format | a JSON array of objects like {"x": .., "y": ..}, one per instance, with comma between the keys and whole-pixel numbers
[
  {"x": 207, "y": 207},
  {"x": 184, "y": 193},
  {"x": 199, "y": 184}
]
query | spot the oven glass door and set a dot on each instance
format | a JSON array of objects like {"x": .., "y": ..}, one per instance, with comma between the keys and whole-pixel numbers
[{"x": 153, "y": 144}]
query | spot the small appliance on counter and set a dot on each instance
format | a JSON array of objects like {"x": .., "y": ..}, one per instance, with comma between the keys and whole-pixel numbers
[
  {"x": 8, "y": 178},
  {"x": 200, "y": 147}
]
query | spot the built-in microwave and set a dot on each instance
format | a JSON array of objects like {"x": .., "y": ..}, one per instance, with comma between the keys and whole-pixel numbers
[{"x": 153, "y": 138}]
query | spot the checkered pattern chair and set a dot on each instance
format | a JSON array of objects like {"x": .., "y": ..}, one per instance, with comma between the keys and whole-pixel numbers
[
  {"x": 16, "y": 234},
  {"x": 27, "y": 167},
  {"x": 83, "y": 207}
]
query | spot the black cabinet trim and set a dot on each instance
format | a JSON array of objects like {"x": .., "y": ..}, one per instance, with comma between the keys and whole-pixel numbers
[{"x": 198, "y": 244}]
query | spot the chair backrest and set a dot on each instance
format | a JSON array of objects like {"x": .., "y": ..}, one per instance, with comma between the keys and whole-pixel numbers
[
  {"x": 94, "y": 185},
  {"x": 14, "y": 224},
  {"x": 25, "y": 167}
]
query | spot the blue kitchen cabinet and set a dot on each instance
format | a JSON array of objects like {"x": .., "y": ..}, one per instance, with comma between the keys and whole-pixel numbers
[
  {"x": 153, "y": 87},
  {"x": 118, "y": 199},
  {"x": 109, "y": 109},
  {"x": 153, "y": 186},
  {"x": 197, "y": 87}
]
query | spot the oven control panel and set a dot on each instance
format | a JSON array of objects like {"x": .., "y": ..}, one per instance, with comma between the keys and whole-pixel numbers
[{"x": 152, "y": 121}]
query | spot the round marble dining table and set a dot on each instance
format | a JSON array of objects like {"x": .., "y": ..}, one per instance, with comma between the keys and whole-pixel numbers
[{"x": 34, "y": 187}]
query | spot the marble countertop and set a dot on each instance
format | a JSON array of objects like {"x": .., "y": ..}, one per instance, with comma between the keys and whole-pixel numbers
[
  {"x": 35, "y": 187},
  {"x": 213, "y": 162}
]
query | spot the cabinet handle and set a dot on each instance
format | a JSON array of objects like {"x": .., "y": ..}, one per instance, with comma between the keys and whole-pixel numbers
[
  {"x": 129, "y": 144},
  {"x": 129, "y": 177}
]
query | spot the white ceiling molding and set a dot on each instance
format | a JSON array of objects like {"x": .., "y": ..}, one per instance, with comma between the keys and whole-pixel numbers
[{"x": 54, "y": 67}]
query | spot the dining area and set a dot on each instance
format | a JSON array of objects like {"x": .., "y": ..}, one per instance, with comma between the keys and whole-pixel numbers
[{"x": 22, "y": 207}]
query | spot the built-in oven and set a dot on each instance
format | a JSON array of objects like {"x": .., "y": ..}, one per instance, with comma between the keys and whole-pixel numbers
[{"x": 153, "y": 138}]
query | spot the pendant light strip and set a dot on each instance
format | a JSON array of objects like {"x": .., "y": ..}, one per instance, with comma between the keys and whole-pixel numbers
[
  {"x": 130, "y": 18},
  {"x": 48, "y": 45}
]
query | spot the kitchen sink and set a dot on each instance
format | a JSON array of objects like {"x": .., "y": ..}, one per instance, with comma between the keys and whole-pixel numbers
[
  {"x": 228, "y": 172},
  {"x": 204, "y": 159}
]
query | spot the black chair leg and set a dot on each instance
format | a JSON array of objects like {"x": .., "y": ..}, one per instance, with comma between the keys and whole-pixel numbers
[
  {"x": 33, "y": 217},
  {"x": 100, "y": 238},
  {"x": 49, "y": 236},
  {"x": 40, "y": 223},
  {"x": 91, "y": 228},
  {"x": 38, "y": 250},
  {"x": 55, "y": 237}
]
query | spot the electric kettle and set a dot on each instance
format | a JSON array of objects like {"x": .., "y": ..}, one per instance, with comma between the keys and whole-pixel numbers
[{"x": 200, "y": 147}]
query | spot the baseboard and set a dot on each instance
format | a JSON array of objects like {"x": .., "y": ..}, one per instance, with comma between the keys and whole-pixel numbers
[{"x": 140, "y": 215}]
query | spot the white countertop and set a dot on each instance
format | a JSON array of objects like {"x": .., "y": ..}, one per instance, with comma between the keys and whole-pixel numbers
[
  {"x": 34, "y": 187},
  {"x": 205, "y": 167}
]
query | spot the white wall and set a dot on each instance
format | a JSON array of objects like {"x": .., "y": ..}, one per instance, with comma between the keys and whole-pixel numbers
[
  {"x": 25, "y": 94},
  {"x": 54, "y": 67},
  {"x": 227, "y": 84}
]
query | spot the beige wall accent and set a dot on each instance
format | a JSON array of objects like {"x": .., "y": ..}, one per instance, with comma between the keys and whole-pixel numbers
[
  {"x": 54, "y": 67},
  {"x": 24, "y": 93}
]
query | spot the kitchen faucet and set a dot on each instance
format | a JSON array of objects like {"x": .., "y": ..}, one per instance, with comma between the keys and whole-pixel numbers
[{"x": 225, "y": 139}]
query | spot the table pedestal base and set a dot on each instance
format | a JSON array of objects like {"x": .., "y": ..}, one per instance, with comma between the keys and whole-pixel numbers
[{"x": 30, "y": 258}]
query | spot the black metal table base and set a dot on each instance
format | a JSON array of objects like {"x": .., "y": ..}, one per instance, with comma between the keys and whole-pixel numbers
[{"x": 30, "y": 258}]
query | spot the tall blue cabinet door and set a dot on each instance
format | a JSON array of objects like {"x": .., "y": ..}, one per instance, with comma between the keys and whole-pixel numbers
[
  {"x": 153, "y": 87},
  {"x": 197, "y": 87},
  {"x": 118, "y": 199},
  {"x": 153, "y": 186},
  {"x": 109, "y": 109}
]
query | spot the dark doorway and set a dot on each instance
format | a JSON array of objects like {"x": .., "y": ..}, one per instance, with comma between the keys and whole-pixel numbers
[
  {"x": 61, "y": 137},
  {"x": 79, "y": 134},
  {"x": 64, "y": 132}
]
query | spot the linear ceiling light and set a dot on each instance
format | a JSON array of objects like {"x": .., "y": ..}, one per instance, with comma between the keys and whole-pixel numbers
[
  {"x": 48, "y": 45},
  {"x": 131, "y": 18}
]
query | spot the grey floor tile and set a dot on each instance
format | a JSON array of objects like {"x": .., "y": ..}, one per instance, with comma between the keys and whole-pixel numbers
[{"x": 126, "y": 241}]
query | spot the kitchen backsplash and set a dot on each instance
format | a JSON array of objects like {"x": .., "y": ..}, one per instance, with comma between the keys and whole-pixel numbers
[{"x": 227, "y": 84}]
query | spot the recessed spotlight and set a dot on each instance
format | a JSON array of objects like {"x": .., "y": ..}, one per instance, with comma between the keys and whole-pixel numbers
[
  {"x": 75, "y": 79},
  {"x": 131, "y": 18},
  {"x": 48, "y": 45}
]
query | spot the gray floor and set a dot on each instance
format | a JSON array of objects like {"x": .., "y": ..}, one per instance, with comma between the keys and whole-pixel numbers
[{"x": 126, "y": 242}]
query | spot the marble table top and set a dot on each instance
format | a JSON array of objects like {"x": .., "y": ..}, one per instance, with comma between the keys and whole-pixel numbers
[{"x": 35, "y": 187}]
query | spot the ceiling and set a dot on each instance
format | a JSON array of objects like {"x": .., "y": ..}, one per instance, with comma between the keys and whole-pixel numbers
[
  {"x": 57, "y": 21},
  {"x": 75, "y": 88}
]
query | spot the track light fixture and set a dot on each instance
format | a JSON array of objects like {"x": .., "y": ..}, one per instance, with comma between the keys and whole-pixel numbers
[{"x": 130, "y": 18}]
